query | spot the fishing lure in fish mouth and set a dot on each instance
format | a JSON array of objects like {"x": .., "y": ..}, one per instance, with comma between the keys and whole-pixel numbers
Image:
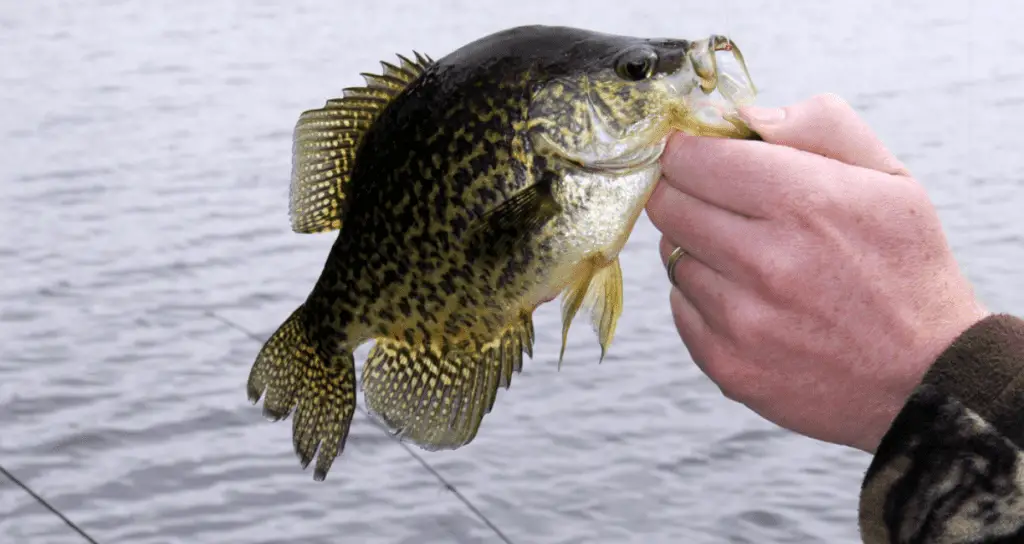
[{"x": 467, "y": 191}]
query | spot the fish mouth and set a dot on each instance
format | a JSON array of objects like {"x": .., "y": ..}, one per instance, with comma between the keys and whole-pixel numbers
[
  {"x": 709, "y": 89},
  {"x": 701, "y": 98}
]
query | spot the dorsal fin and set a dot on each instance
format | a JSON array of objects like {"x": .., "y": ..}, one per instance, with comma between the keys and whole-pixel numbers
[{"x": 326, "y": 139}]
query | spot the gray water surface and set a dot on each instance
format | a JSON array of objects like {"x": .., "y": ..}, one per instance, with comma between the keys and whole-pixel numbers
[{"x": 144, "y": 175}]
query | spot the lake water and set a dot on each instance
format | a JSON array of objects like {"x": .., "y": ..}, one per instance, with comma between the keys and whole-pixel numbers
[{"x": 144, "y": 175}]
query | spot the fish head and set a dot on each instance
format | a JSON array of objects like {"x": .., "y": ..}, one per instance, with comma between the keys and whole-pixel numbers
[{"x": 611, "y": 101}]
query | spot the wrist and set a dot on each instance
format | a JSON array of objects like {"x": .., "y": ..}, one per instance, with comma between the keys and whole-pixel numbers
[{"x": 905, "y": 376}]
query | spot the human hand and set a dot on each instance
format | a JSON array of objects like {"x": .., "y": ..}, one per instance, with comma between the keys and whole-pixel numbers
[{"x": 817, "y": 285}]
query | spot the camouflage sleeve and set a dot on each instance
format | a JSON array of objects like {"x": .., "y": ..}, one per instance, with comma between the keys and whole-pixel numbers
[{"x": 951, "y": 467}]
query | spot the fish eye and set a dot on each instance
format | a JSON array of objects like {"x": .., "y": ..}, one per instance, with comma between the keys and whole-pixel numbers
[{"x": 636, "y": 64}]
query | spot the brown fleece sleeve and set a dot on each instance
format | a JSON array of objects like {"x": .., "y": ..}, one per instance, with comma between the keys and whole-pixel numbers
[
  {"x": 951, "y": 467},
  {"x": 984, "y": 370}
]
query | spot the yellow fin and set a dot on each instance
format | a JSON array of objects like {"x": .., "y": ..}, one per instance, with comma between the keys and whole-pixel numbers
[
  {"x": 572, "y": 300},
  {"x": 600, "y": 289},
  {"x": 322, "y": 393},
  {"x": 326, "y": 139},
  {"x": 604, "y": 298},
  {"x": 436, "y": 400}
]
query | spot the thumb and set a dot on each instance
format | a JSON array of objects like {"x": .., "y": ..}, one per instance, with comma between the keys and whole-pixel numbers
[{"x": 825, "y": 125}]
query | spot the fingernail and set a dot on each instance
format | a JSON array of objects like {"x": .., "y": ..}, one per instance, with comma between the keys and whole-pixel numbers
[{"x": 759, "y": 115}]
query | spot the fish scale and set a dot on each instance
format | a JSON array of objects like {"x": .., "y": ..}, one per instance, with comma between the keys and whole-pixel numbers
[{"x": 465, "y": 192}]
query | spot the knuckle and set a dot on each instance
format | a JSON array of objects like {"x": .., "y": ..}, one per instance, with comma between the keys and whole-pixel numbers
[
  {"x": 687, "y": 270},
  {"x": 809, "y": 204},
  {"x": 831, "y": 103},
  {"x": 815, "y": 199},
  {"x": 727, "y": 372},
  {"x": 664, "y": 211},
  {"x": 662, "y": 216},
  {"x": 715, "y": 365},
  {"x": 903, "y": 208},
  {"x": 664, "y": 247},
  {"x": 734, "y": 319},
  {"x": 917, "y": 199},
  {"x": 678, "y": 156},
  {"x": 916, "y": 225},
  {"x": 732, "y": 395},
  {"x": 812, "y": 200},
  {"x": 730, "y": 380},
  {"x": 749, "y": 325},
  {"x": 783, "y": 273}
]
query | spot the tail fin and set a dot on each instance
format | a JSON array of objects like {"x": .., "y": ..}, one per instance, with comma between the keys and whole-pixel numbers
[
  {"x": 436, "y": 400},
  {"x": 323, "y": 393}
]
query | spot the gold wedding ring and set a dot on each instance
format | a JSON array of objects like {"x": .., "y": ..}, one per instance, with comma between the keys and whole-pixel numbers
[{"x": 670, "y": 266}]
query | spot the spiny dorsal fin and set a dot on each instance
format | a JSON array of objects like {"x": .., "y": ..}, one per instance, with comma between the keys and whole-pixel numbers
[{"x": 326, "y": 139}]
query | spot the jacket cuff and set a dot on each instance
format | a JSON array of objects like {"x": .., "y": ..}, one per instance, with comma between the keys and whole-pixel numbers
[
  {"x": 950, "y": 468},
  {"x": 983, "y": 369}
]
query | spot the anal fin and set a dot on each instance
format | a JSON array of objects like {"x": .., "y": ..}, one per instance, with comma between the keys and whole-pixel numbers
[{"x": 438, "y": 400}]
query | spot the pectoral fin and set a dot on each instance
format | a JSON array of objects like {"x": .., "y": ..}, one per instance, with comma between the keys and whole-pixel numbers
[
  {"x": 605, "y": 301},
  {"x": 600, "y": 289},
  {"x": 502, "y": 227}
]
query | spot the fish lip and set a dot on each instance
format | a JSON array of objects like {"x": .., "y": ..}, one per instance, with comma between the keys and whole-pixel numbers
[
  {"x": 719, "y": 43},
  {"x": 633, "y": 158},
  {"x": 702, "y": 87},
  {"x": 703, "y": 60},
  {"x": 636, "y": 158}
]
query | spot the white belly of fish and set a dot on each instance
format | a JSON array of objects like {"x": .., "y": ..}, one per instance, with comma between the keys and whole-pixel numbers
[{"x": 596, "y": 229}]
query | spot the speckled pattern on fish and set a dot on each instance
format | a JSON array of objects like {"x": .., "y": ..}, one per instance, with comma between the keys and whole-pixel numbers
[{"x": 467, "y": 191}]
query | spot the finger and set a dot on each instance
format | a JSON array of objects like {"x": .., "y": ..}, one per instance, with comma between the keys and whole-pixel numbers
[
  {"x": 705, "y": 288},
  {"x": 715, "y": 171},
  {"x": 692, "y": 329},
  {"x": 825, "y": 125},
  {"x": 707, "y": 347},
  {"x": 755, "y": 179},
  {"x": 715, "y": 236},
  {"x": 696, "y": 335}
]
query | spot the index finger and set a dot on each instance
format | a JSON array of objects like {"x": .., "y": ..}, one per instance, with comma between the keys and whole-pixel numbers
[
  {"x": 751, "y": 178},
  {"x": 825, "y": 125}
]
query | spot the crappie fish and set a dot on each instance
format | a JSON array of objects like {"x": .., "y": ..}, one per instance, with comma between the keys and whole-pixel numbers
[{"x": 466, "y": 192}]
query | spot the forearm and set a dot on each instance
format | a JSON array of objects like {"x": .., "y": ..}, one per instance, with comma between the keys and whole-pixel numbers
[{"x": 951, "y": 467}]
